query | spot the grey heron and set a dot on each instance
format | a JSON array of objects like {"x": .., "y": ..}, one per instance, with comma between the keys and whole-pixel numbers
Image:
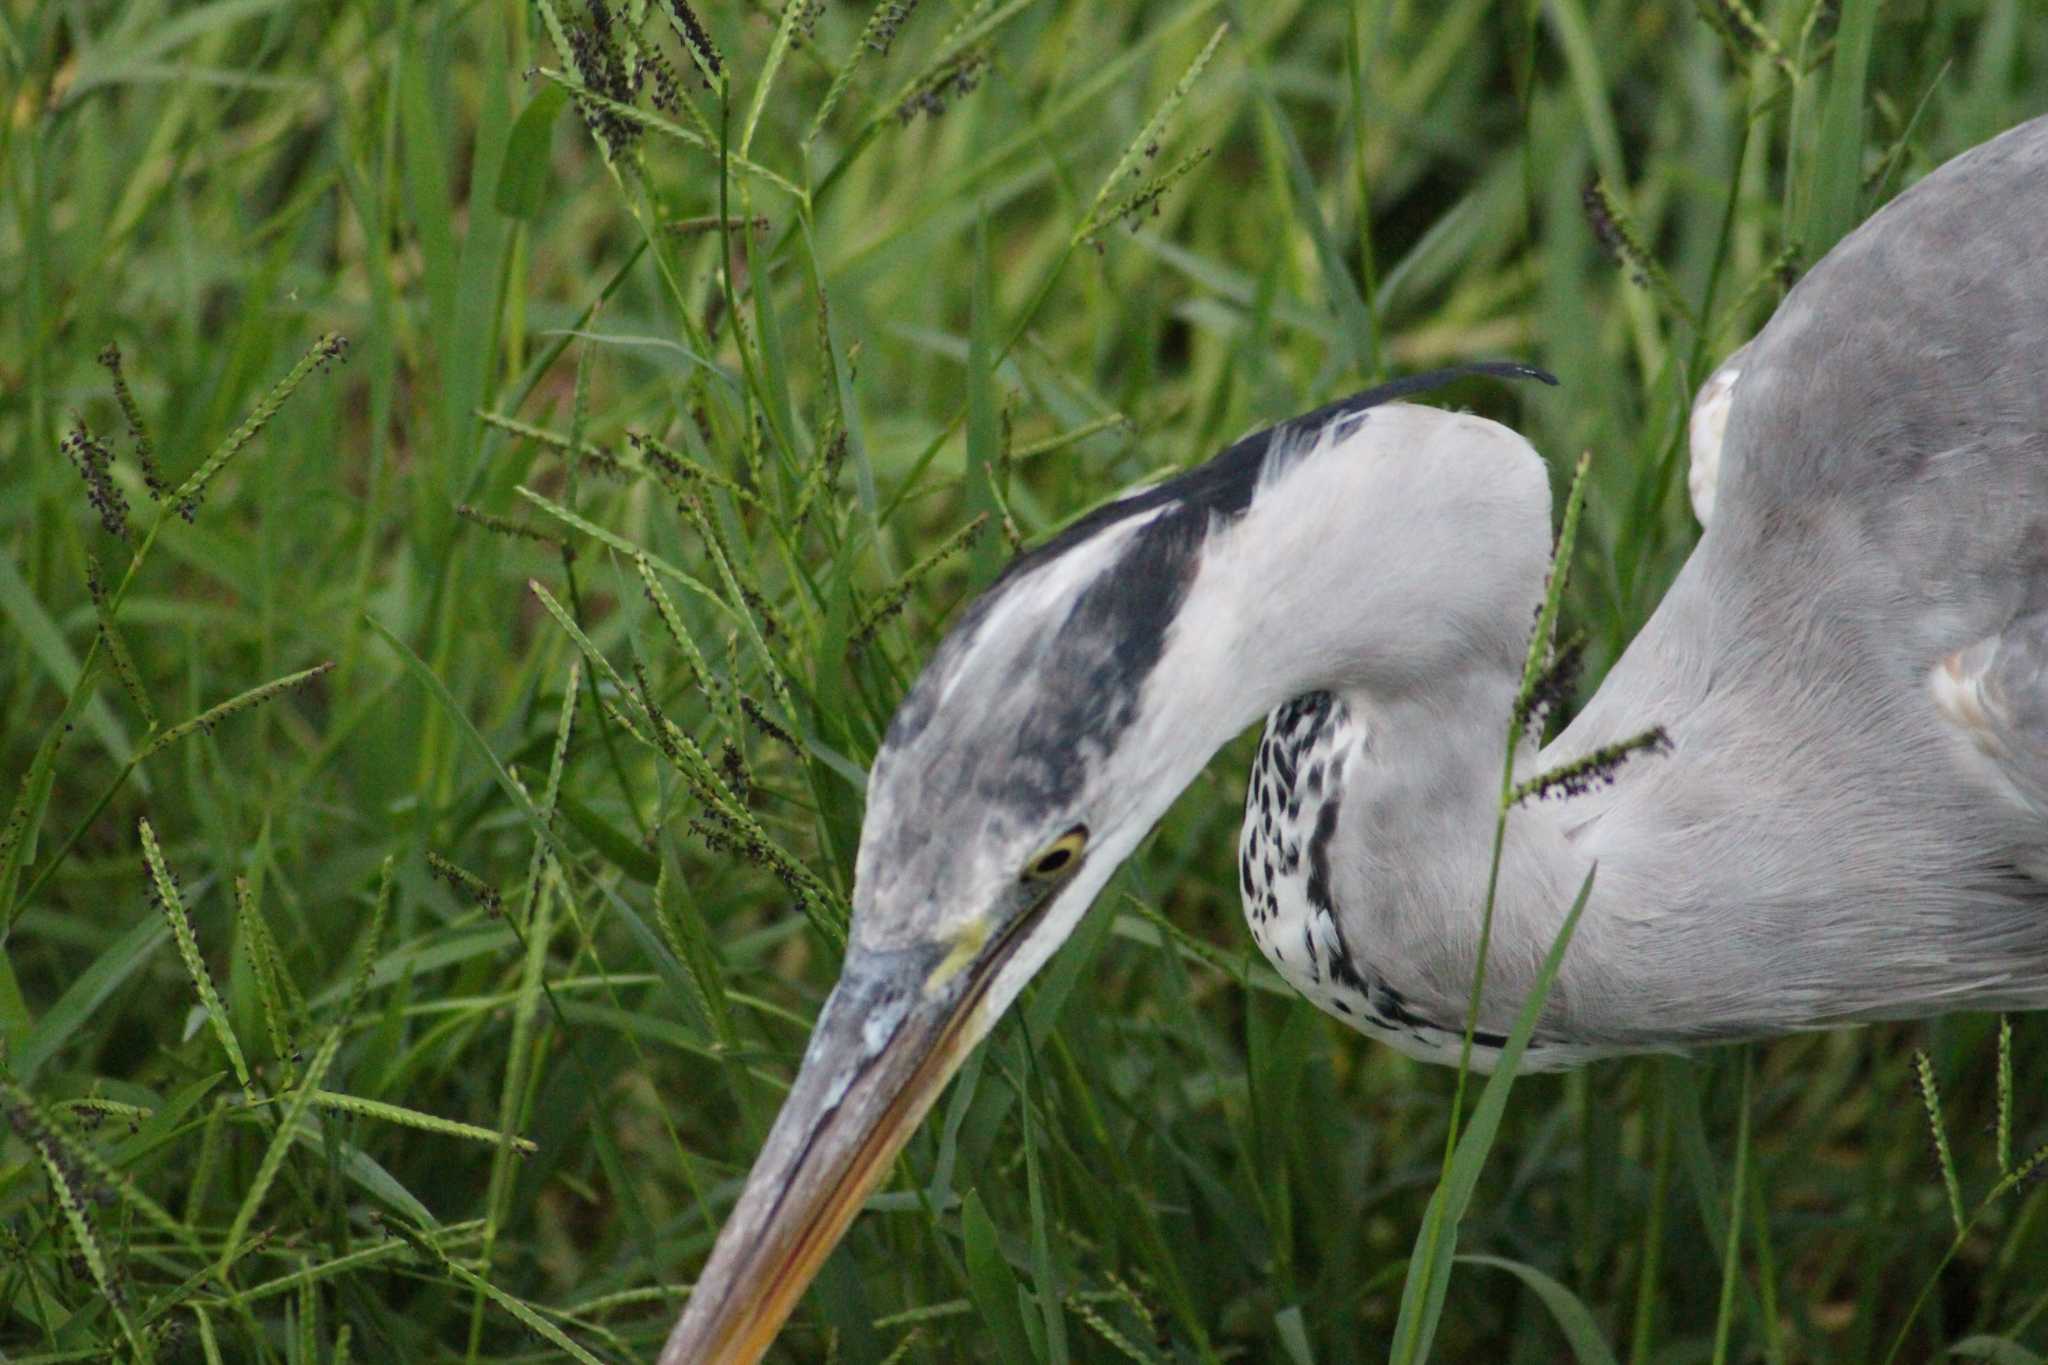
[{"x": 1850, "y": 823}]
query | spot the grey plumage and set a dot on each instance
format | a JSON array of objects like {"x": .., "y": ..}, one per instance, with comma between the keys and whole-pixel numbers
[
  {"x": 1818, "y": 846},
  {"x": 1996, "y": 692},
  {"x": 1848, "y": 822}
]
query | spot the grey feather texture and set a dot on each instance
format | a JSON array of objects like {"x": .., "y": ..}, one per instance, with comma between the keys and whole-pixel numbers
[
  {"x": 1996, "y": 693},
  {"x": 1817, "y": 847}
]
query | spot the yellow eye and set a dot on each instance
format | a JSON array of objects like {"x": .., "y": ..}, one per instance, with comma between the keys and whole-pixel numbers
[{"x": 1058, "y": 857}]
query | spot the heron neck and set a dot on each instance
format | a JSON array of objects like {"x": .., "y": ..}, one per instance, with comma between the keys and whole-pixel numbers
[
  {"x": 1413, "y": 851},
  {"x": 1402, "y": 575}
]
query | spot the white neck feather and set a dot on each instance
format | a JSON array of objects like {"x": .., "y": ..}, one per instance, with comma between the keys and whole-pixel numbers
[
  {"x": 1412, "y": 550},
  {"x": 1400, "y": 568}
]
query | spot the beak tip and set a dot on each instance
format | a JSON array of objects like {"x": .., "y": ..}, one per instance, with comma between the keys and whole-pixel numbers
[{"x": 860, "y": 1093}]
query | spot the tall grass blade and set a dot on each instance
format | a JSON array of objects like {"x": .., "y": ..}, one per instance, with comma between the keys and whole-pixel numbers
[
  {"x": 296, "y": 1103},
  {"x": 1731, "y": 1250},
  {"x": 1429, "y": 1264},
  {"x": 993, "y": 1284},
  {"x": 1837, "y": 171},
  {"x": 1567, "y": 1309}
]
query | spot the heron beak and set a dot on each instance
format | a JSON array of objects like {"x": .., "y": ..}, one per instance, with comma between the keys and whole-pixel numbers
[{"x": 892, "y": 1033}]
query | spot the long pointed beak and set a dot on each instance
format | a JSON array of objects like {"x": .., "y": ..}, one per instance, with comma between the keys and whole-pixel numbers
[{"x": 883, "y": 1048}]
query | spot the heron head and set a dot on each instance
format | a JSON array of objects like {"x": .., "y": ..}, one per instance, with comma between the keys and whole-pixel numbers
[
  {"x": 1022, "y": 767},
  {"x": 1063, "y": 713}
]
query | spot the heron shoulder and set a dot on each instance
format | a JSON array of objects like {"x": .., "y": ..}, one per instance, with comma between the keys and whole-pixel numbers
[{"x": 1916, "y": 337}]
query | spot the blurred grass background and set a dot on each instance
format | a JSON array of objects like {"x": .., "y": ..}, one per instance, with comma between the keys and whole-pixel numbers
[{"x": 962, "y": 273}]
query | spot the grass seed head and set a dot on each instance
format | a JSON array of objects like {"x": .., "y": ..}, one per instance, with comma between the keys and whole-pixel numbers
[
  {"x": 1743, "y": 32},
  {"x": 668, "y": 94},
  {"x": 331, "y": 349},
  {"x": 1617, "y": 236},
  {"x": 885, "y": 23},
  {"x": 732, "y": 764},
  {"x": 1597, "y": 769},
  {"x": 519, "y": 530},
  {"x": 595, "y": 55},
  {"x": 956, "y": 78},
  {"x": 1554, "y": 686},
  {"x": 765, "y": 723},
  {"x": 138, "y": 431},
  {"x": 467, "y": 883},
  {"x": 805, "y": 25},
  {"x": 94, "y": 461},
  {"x": 694, "y": 35}
]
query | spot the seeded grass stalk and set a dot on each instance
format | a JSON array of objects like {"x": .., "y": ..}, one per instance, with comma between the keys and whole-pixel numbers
[
  {"x": 114, "y": 1294},
  {"x": 160, "y": 740},
  {"x": 426, "y": 1123},
  {"x": 828, "y": 910},
  {"x": 2028, "y": 1168},
  {"x": 676, "y": 472},
  {"x": 1617, "y": 234},
  {"x": 2003, "y": 1122},
  {"x": 875, "y": 38},
  {"x": 169, "y": 901},
  {"x": 185, "y": 498},
  {"x": 54, "y": 1142},
  {"x": 1944, "y": 1159},
  {"x": 22, "y": 823},
  {"x": 117, "y": 650},
  {"x": 695, "y": 584},
  {"x": 1145, "y": 148}
]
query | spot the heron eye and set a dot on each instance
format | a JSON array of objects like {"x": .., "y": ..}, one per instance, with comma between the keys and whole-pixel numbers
[{"x": 1058, "y": 856}]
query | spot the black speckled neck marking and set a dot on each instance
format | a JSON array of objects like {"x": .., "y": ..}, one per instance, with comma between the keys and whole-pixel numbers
[{"x": 1285, "y": 857}]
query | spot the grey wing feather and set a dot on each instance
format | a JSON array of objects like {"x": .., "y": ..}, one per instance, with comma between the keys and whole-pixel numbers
[
  {"x": 1996, "y": 695},
  {"x": 1882, "y": 494},
  {"x": 1822, "y": 842},
  {"x": 1894, "y": 414}
]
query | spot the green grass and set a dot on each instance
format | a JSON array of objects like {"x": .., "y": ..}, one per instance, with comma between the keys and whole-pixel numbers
[{"x": 265, "y": 1065}]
